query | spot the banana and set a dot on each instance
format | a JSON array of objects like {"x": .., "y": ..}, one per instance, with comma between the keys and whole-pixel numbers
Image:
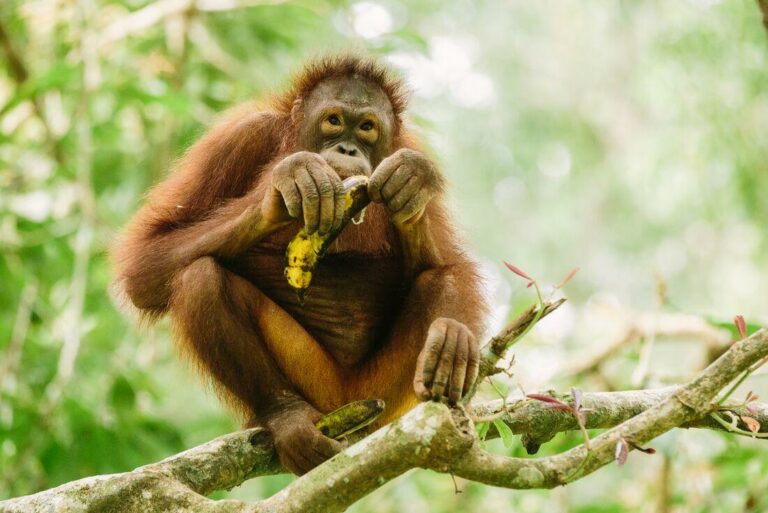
[
  {"x": 350, "y": 418},
  {"x": 305, "y": 250}
]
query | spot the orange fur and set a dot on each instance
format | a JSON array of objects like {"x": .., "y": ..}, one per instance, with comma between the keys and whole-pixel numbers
[{"x": 184, "y": 254}]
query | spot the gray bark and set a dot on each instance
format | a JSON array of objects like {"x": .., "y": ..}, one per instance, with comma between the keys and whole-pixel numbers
[{"x": 431, "y": 436}]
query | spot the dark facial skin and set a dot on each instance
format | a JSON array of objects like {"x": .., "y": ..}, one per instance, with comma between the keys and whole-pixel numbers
[
  {"x": 349, "y": 123},
  {"x": 345, "y": 129}
]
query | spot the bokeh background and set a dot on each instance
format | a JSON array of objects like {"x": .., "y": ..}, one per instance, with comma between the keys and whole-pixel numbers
[{"x": 627, "y": 138}]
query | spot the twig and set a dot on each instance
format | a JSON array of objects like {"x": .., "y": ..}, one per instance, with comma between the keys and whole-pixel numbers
[
  {"x": 741, "y": 380},
  {"x": 669, "y": 326},
  {"x": 733, "y": 429},
  {"x": 646, "y": 350},
  {"x": 495, "y": 349},
  {"x": 591, "y": 362}
]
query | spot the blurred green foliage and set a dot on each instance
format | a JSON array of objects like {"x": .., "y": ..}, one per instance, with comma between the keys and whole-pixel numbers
[{"x": 627, "y": 138}]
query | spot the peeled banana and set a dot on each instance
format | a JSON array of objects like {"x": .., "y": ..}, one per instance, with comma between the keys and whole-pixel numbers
[{"x": 305, "y": 250}]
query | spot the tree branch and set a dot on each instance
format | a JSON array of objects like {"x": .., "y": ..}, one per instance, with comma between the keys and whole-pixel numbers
[
  {"x": 430, "y": 436},
  {"x": 537, "y": 422},
  {"x": 686, "y": 404},
  {"x": 173, "y": 485},
  {"x": 496, "y": 348},
  {"x": 670, "y": 326}
]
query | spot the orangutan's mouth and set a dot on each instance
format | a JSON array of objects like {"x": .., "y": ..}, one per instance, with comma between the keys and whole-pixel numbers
[{"x": 347, "y": 166}]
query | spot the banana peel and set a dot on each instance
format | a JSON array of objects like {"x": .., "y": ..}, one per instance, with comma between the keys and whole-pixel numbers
[
  {"x": 350, "y": 418},
  {"x": 305, "y": 250}
]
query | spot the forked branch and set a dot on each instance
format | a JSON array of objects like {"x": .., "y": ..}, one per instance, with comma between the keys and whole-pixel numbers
[{"x": 431, "y": 436}]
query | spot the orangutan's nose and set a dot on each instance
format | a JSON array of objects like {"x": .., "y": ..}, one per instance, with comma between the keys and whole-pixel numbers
[{"x": 346, "y": 149}]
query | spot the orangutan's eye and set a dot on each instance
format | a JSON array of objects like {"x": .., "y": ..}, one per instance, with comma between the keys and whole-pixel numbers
[
  {"x": 334, "y": 120},
  {"x": 366, "y": 126}
]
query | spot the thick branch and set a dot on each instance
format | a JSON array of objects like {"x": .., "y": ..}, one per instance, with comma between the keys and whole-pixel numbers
[
  {"x": 686, "y": 404},
  {"x": 174, "y": 484},
  {"x": 228, "y": 461},
  {"x": 538, "y": 422},
  {"x": 223, "y": 463},
  {"x": 232, "y": 459},
  {"x": 430, "y": 436}
]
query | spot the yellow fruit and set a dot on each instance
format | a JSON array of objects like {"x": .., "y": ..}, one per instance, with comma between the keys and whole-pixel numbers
[{"x": 305, "y": 250}]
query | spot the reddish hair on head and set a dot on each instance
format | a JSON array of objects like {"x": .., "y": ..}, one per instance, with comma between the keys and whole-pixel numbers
[{"x": 322, "y": 68}]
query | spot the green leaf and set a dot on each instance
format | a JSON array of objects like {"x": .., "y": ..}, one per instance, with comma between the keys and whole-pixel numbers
[
  {"x": 60, "y": 75},
  {"x": 482, "y": 429},
  {"x": 121, "y": 395},
  {"x": 505, "y": 432}
]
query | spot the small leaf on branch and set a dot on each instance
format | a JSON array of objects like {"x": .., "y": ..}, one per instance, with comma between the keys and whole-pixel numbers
[
  {"x": 578, "y": 406},
  {"x": 482, "y": 430},
  {"x": 553, "y": 403},
  {"x": 518, "y": 272},
  {"x": 577, "y": 398},
  {"x": 751, "y": 397},
  {"x": 505, "y": 432},
  {"x": 741, "y": 326},
  {"x": 622, "y": 451},
  {"x": 752, "y": 424},
  {"x": 545, "y": 398},
  {"x": 568, "y": 277}
]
